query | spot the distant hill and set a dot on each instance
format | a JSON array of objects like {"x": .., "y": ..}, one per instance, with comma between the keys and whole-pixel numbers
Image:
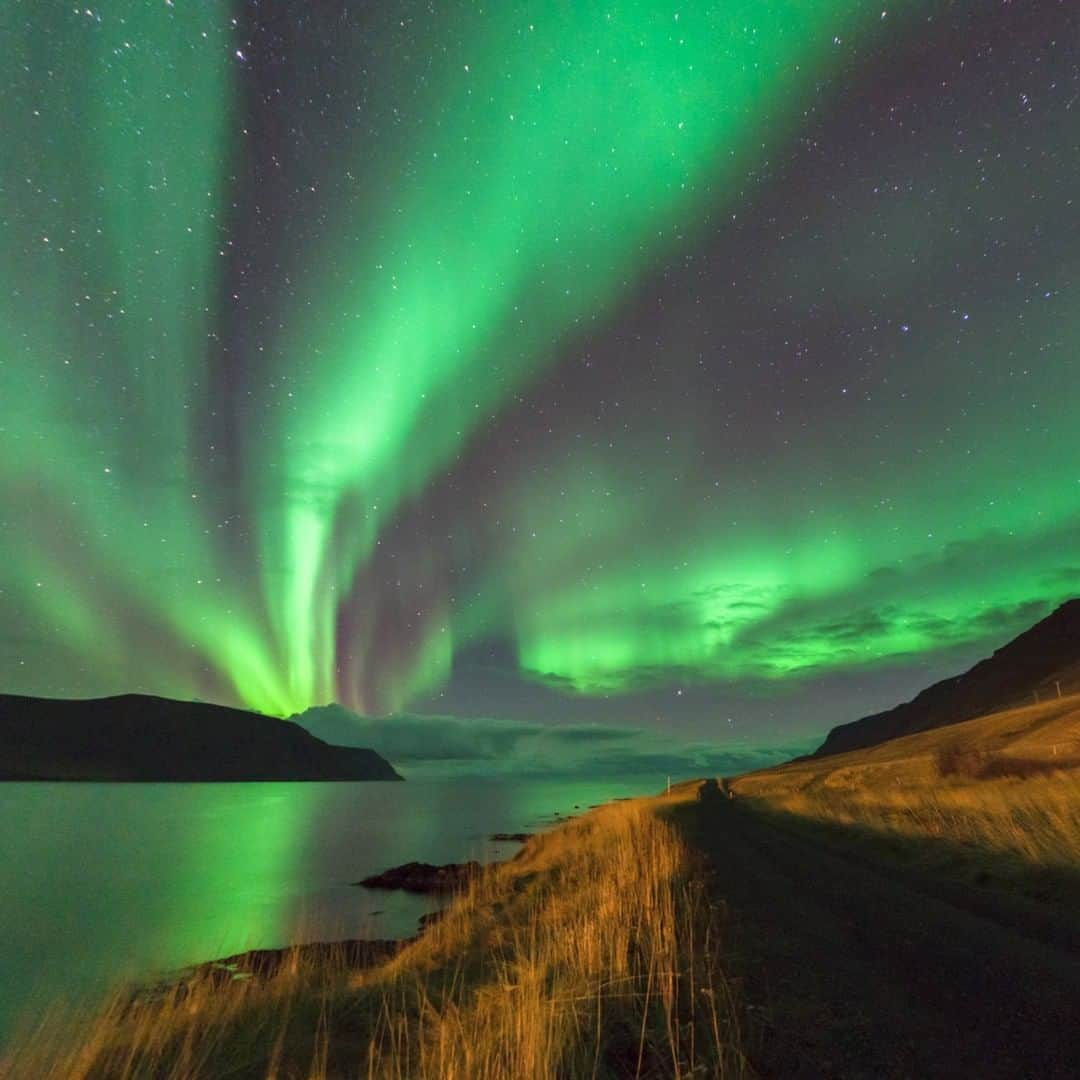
[
  {"x": 332, "y": 723},
  {"x": 141, "y": 738},
  {"x": 1030, "y": 664}
]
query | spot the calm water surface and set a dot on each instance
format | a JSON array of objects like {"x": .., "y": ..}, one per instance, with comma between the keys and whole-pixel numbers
[{"x": 100, "y": 882}]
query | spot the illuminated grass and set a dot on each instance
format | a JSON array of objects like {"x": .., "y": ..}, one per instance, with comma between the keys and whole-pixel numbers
[{"x": 1019, "y": 796}]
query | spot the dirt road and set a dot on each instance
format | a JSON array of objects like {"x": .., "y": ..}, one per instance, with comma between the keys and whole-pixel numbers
[{"x": 850, "y": 967}]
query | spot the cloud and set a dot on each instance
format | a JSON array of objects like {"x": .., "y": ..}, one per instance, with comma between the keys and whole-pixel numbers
[
  {"x": 552, "y": 680},
  {"x": 429, "y": 744},
  {"x": 1066, "y": 577}
]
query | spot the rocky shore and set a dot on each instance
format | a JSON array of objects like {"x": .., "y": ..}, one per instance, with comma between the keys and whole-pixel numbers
[{"x": 425, "y": 878}]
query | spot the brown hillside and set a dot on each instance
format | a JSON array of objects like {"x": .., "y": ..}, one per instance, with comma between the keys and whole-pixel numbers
[
  {"x": 1038, "y": 663},
  {"x": 1009, "y": 781}
]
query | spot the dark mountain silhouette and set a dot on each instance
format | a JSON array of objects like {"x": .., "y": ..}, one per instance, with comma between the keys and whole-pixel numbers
[
  {"x": 138, "y": 737},
  {"x": 1033, "y": 663}
]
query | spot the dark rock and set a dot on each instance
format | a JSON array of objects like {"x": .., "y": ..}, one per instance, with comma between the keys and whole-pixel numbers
[
  {"x": 515, "y": 837},
  {"x": 417, "y": 877},
  {"x": 261, "y": 964}
]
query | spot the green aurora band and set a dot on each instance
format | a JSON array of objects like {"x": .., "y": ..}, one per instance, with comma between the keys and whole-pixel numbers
[{"x": 269, "y": 545}]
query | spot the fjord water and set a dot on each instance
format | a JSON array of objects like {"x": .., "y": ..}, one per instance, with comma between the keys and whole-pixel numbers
[{"x": 101, "y": 882}]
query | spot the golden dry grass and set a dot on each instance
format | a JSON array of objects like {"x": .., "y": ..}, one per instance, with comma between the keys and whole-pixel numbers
[
  {"x": 1025, "y": 805},
  {"x": 592, "y": 954}
]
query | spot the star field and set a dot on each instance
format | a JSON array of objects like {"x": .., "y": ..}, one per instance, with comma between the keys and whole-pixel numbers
[{"x": 710, "y": 367}]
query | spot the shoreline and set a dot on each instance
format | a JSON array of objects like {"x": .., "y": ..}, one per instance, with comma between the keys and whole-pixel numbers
[
  {"x": 490, "y": 988},
  {"x": 339, "y": 915},
  {"x": 353, "y": 953}
]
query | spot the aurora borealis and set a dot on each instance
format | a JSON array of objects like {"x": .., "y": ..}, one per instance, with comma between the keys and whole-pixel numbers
[{"x": 566, "y": 361}]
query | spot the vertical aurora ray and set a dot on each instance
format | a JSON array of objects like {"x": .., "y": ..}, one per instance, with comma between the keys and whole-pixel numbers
[{"x": 112, "y": 196}]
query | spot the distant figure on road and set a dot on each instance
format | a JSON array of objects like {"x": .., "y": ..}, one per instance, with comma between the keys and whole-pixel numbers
[
  {"x": 710, "y": 792},
  {"x": 713, "y": 790}
]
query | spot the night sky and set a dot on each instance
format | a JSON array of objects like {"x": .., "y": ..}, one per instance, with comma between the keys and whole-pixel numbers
[{"x": 708, "y": 368}]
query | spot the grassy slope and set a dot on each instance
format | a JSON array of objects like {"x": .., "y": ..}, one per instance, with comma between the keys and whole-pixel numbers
[
  {"x": 594, "y": 953},
  {"x": 1007, "y": 784}
]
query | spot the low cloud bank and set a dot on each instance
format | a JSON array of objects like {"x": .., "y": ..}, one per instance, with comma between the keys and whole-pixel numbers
[{"x": 442, "y": 745}]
